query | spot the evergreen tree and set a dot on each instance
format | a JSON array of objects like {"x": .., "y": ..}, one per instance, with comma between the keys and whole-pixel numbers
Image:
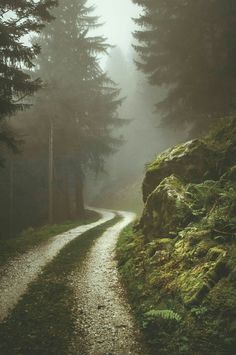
[
  {"x": 18, "y": 19},
  {"x": 190, "y": 47},
  {"x": 79, "y": 104}
]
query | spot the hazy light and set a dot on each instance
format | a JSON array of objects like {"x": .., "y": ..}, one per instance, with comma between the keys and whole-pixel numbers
[{"x": 117, "y": 18}]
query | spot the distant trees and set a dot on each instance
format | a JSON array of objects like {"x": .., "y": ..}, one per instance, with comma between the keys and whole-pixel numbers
[
  {"x": 17, "y": 19},
  {"x": 189, "y": 46}
]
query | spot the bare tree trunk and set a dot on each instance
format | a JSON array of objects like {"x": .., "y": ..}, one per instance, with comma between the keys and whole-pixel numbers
[
  {"x": 11, "y": 196},
  {"x": 79, "y": 198},
  {"x": 50, "y": 172}
]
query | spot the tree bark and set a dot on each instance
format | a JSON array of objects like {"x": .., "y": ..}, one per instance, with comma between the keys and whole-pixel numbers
[
  {"x": 80, "y": 211},
  {"x": 50, "y": 173}
]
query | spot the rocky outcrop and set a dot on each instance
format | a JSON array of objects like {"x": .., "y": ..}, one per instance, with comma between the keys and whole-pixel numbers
[
  {"x": 183, "y": 250},
  {"x": 193, "y": 161}
]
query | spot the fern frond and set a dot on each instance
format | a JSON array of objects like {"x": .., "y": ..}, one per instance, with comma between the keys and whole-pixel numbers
[{"x": 164, "y": 314}]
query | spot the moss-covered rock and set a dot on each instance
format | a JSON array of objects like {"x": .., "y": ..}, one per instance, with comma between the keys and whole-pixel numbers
[
  {"x": 167, "y": 209},
  {"x": 193, "y": 161},
  {"x": 181, "y": 257}
]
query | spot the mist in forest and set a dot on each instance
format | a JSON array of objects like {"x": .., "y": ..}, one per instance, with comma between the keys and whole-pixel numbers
[
  {"x": 91, "y": 93},
  {"x": 117, "y": 19},
  {"x": 143, "y": 138},
  {"x": 120, "y": 183},
  {"x": 83, "y": 120}
]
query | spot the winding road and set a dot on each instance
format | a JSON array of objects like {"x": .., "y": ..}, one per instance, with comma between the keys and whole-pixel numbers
[{"x": 19, "y": 272}]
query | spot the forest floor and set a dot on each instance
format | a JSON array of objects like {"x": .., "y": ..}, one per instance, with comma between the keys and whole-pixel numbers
[{"x": 76, "y": 303}]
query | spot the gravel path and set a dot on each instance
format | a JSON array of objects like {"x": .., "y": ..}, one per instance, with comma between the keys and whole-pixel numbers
[
  {"x": 104, "y": 322},
  {"x": 20, "y": 271}
]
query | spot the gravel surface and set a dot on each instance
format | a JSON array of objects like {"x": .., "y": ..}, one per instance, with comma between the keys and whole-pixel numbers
[
  {"x": 20, "y": 271},
  {"x": 104, "y": 320}
]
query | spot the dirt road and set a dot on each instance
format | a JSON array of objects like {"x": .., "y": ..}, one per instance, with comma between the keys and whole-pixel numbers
[
  {"x": 104, "y": 321},
  {"x": 20, "y": 271}
]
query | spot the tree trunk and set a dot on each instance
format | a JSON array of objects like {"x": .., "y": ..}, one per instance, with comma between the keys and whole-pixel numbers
[
  {"x": 50, "y": 173},
  {"x": 80, "y": 211},
  {"x": 11, "y": 197}
]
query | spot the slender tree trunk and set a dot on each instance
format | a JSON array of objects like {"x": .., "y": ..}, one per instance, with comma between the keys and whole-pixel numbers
[
  {"x": 11, "y": 196},
  {"x": 79, "y": 198},
  {"x": 50, "y": 172}
]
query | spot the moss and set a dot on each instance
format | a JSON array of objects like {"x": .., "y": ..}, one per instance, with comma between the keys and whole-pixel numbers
[
  {"x": 182, "y": 254},
  {"x": 192, "y": 162},
  {"x": 167, "y": 209},
  {"x": 215, "y": 253}
]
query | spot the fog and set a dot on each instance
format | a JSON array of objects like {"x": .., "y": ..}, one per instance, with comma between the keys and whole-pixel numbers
[
  {"x": 116, "y": 17},
  {"x": 143, "y": 138},
  {"x": 72, "y": 153}
]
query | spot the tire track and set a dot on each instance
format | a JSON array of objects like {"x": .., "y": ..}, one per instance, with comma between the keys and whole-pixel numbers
[
  {"x": 105, "y": 324},
  {"x": 19, "y": 272}
]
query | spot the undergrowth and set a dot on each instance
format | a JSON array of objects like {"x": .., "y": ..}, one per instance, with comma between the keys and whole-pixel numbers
[{"x": 169, "y": 326}]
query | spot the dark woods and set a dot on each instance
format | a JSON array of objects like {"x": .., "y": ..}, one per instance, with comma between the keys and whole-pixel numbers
[
  {"x": 67, "y": 127},
  {"x": 189, "y": 47}
]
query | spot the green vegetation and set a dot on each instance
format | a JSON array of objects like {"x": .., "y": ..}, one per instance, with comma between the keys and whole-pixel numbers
[
  {"x": 43, "y": 321},
  {"x": 17, "y": 18},
  {"x": 33, "y": 237},
  {"x": 179, "y": 260}
]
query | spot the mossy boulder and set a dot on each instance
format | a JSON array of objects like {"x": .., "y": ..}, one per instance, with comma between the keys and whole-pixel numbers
[
  {"x": 193, "y": 161},
  {"x": 167, "y": 209},
  {"x": 197, "y": 160},
  {"x": 183, "y": 253}
]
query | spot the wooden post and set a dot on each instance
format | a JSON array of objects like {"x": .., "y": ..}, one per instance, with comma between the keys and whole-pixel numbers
[{"x": 50, "y": 172}]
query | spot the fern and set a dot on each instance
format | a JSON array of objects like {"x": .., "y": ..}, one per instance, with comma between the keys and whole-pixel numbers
[{"x": 167, "y": 314}]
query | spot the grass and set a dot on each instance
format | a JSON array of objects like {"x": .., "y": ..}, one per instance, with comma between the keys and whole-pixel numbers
[
  {"x": 32, "y": 237},
  {"x": 43, "y": 321}
]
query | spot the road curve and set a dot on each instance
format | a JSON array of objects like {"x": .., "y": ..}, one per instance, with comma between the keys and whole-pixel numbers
[
  {"x": 19, "y": 272},
  {"x": 104, "y": 319}
]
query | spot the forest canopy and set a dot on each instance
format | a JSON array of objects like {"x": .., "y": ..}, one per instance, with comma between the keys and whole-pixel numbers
[
  {"x": 189, "y": 47},
  {"x": 18, "y": 19}
]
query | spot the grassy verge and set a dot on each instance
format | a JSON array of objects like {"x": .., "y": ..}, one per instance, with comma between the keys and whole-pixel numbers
[
  {"x": 33, "y": 237},
  {"x": 164, "y": 331},
  {"x": 144, "y": 298},
  {"x": 43, "y": 321},
  {"x": 129, "y": 255},
  {"x": 133, "y": 281},
  {"x": 169, "y": 327}
]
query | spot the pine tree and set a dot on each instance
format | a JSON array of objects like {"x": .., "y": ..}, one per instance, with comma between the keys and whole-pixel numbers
[
  {"x": 18, "y": 19},
  {"x": 189, "y": 46},
  {"x": 79, "y": 101}
]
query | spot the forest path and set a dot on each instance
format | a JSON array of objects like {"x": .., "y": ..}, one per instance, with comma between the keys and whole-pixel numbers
[
  {"x": 19, "y": 272},
  {"x": 104, "y": 319}
]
